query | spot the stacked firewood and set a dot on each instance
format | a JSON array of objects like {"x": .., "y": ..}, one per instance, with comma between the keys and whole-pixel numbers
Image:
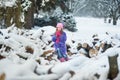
[
  {"x": 36, "y": 44},
  {"x": 89, "y": 51},
  {"x": 98, "y": 46}
]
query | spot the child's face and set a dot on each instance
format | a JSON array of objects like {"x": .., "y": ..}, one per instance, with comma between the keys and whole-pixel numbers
[{"x": 59, "y": 29}]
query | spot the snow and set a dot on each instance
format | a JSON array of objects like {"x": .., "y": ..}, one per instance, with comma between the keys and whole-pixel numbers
[
  {"x": 94, "y": 66},
  {"x": 82, "y": 67},
  {"x": 88, "y": 27},
  {"x": 8, "y": 3},
  {"x": 26, "y": 5}
]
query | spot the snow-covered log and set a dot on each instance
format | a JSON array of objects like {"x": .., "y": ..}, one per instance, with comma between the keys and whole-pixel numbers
[{"x": 113, "y": 63}]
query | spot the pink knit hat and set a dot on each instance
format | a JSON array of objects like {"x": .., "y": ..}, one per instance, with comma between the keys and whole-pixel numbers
[{"x": 60, "y": 25}]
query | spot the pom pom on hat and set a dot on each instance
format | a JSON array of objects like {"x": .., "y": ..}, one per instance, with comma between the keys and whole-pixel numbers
[{"x": 60, "y": 25}]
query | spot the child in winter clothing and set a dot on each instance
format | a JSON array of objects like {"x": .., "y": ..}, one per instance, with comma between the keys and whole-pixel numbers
[{"x": 59, "y": 39}]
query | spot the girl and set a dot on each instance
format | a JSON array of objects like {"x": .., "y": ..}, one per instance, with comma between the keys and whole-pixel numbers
[{"x": 59, "y": 39}]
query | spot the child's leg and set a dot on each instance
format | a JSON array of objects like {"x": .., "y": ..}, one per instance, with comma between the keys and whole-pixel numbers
[
  {"x": 60, "y": 56},
  {"x": 65, "y": 57},
  {"x": 59, "y": 53}
]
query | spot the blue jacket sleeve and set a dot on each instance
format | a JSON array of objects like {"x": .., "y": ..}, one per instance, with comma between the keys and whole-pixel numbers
[
  {"x": 54, "y": 38},
  {"x": 64, "y": 37}
]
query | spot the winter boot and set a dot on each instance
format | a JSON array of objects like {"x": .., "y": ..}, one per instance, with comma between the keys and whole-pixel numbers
[
  {"x": 62, "y": 60},
  {"x": 67, "y": 59}
]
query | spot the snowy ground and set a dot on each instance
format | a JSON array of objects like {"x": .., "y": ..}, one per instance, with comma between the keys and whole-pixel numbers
[
  {"x": 89, "y": 26},
  {"x": 79, "y": 67}
]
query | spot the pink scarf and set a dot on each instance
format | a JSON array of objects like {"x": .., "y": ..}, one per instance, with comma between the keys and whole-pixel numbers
[{"x": 58, "y": 34}]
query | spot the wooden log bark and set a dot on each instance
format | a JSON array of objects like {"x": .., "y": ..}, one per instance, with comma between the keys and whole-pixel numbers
[
  {"x": 21, "y": 56},
  {"x": 113, "y": 70},
  {"x": 79, "y": 46},
  {"x": 86, "y": 47},
  {"x": 46, "y": 52},
  {"x": 1, "y": 57},
  {"x": 2, "y": 76},
  {"x": 105, "y": 46},
  {"x": 29, "y": 49}
]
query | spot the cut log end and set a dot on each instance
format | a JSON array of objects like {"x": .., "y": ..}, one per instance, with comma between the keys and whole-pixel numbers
[
  {"x": 93, "y": 52},
  {"x": 29, "y": 49}
]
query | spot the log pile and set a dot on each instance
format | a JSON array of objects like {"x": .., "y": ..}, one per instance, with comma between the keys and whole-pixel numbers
[
  {"x": 93, "y": 50},
  {"x": 45, "y": 46}
]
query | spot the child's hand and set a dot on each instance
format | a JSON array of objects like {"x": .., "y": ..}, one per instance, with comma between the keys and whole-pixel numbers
[{"x": 58, "y": 33}]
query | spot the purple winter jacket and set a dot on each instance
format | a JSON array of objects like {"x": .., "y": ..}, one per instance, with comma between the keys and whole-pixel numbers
[{"x": 61, "y": 45}]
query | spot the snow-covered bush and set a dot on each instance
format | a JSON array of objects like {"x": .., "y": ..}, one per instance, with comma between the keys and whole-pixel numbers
[{"x": 67, "y": 20}]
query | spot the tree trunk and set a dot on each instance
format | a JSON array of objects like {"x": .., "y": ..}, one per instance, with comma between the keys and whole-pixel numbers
[
  {"x": 114, "y": 20},
  {"x": 8, "y": 16},
  {"x": 17, "y": 15},
  {"x": 109, "y": 20},
  {"x": 29, "y": 16},
  {"x": 2, "y": 13}
]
